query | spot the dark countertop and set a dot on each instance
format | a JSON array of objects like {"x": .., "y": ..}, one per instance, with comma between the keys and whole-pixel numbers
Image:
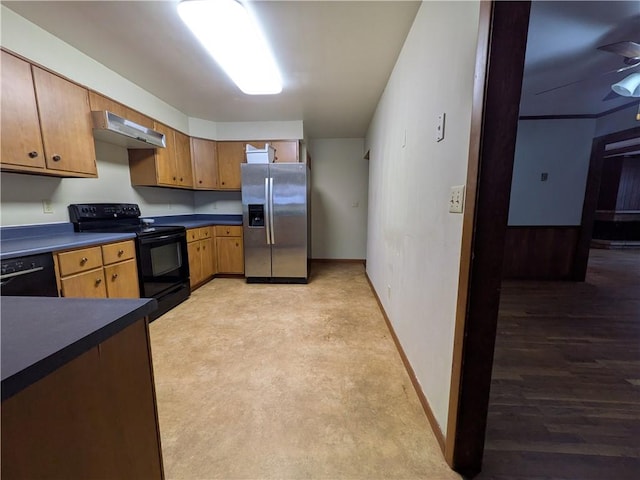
[
  {"x": 40, "y": 334},
  {"x": 33, "y": 239}
]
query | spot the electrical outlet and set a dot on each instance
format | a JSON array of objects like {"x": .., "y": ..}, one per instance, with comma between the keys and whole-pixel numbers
[
  {"x": 47, "y": 206},
  {"x": 456, "y": 199}
]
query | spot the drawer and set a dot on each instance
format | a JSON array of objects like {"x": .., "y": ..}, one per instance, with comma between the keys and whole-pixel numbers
[
  {"x": 204, "y": 233},
  {"x": 117, "y": 252},
  {"x": 193, "y": 234},
  {"x": 79, "y": 260},
  {"x": 85, "y": 285},
  {"x": 228, "y": 230}
]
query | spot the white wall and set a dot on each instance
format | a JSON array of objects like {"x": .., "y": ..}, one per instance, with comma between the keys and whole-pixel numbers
[
  {"x": 561, "y": 148},
  {"x": 617, "y": 121},
  {"x": 339, "y": 183},
  {"x": 413, "y": 247},
  {"x": 22, "y": 195}
]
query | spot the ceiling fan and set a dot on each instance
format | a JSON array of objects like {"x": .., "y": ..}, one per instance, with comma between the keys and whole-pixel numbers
[{"x": 627, "y": 87}]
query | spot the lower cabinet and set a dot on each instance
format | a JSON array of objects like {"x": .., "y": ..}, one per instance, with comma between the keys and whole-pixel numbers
[
  {"x": 107, "y": 271},
  {"x": 93, "y": 417},
  {"x": 200, "y": 247},
  {"x": 229, "y": 249}
]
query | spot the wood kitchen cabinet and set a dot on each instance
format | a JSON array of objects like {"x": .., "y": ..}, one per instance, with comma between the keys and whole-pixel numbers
[
  {"x": 205, "y": 164},
  {"x": 200, "y": 247},
  {"x": 229, "y": 249},
  {"x": 107, "y": 271},
  {"x": 230, "y": 156},
  {"x": 163, "y": 167},
  {"x": 46, "y": 122},
  {"x": 286, "y": 151}
]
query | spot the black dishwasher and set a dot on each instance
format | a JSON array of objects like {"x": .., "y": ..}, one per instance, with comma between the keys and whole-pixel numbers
[{"x": 32, "y": 275}]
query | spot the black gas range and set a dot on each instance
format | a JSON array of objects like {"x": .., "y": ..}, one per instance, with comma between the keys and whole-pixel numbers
[{"x": 161, "y": 251}]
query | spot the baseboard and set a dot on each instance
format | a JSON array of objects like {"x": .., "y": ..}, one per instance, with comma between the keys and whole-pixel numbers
[
  {"x": 414, "y": 380},
  {"x": 338, "y": 260}
]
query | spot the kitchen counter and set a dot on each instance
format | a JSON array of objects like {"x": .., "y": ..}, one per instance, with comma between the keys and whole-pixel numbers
[
  {"x": 34, "y": 239},
  {"x": 19, "y": 241},
  {"x": 41, "y": 334}
]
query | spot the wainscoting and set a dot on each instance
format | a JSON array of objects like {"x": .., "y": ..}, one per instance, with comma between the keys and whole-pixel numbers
[{"x": 540, "y": 252}]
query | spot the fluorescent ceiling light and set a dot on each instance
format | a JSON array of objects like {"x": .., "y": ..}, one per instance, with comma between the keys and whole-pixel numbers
[{"x": 227, "y": 30}]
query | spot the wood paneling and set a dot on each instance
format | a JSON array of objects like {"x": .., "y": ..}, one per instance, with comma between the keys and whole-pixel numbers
[
  {"x": 609, "y": 183},
  {"x": 540, "y": 253},
  {"x": 629, "y": 188}
]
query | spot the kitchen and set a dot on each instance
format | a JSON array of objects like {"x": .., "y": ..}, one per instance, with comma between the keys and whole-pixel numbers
[{"x": 346, "y": 189}]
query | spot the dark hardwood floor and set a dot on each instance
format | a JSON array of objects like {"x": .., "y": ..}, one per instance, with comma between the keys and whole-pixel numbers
[{"x": 565, "y": 391}]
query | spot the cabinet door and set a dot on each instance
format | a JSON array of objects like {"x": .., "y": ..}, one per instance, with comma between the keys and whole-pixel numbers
[
  {"x": 286, "y": 151},
  {"x": 195, "y": 263},
  {"x": 85, "y": 285},
  {"x": 207, "y": 258},
  {"x": 205, "y": 164},
  {"x": 230, "y": 156},
  {"x": 166, "y": 158},
  {"x": 21, "y": 141},
  {"x": 122, "y": 280},
  {"x": 230, "y": 254},
  {"x": 183, "y": 160},
  {"x": 65, "y": 121}
]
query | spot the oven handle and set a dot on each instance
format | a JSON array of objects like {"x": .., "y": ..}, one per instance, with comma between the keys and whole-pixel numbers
[
  {"x": 163, "y": 238},
  {"x": 19, "y": 274}
]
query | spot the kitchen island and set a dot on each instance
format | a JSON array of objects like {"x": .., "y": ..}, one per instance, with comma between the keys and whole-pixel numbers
[{"x": 78, "y": 398}]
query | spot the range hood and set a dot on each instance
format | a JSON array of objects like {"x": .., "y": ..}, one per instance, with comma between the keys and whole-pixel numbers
[{"x": 109, "y": 127}]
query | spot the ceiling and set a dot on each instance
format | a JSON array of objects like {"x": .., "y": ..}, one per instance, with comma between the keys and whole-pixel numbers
[
  {"x": 335, "y": 56},
  {"x": 562, "y": 48}
]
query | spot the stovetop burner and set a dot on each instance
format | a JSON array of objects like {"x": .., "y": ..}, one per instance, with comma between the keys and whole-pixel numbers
[{"x": 114, "y": 217}]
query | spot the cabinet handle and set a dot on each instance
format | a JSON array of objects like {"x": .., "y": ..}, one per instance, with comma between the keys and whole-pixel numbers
[
  {"x": 33, "y": 154},
  {"x": 98, "y": 281},
  {"x": 120, "y": 253},
  {"x": 237, "y": 244},
  {"x": 222, "y": 183},
  {"x": 174, "y": 178},
  {"x": 114, "y": 276},
  {"x": 56, "y": 158},
  {"x": 198, "y": 249},
  {"x": 83, "y": 260},
  {"x": 181, "y": 179},
  {"x": 199, "y": 181}
]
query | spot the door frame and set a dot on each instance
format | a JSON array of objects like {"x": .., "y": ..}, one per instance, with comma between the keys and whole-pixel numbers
[
  {"x": 502, "y": 40},
  {"x": 592, "y": 190}
]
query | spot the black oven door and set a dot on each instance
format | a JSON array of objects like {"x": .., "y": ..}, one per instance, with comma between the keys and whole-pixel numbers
[{"x": 164, "y": 264}]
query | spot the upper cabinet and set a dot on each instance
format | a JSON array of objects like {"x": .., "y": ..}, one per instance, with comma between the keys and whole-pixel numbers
[
  {"x": 205, "y": 164},
  {"x": 286, "y": 151},
  {"x": 232, "y": 154},
  {"x": 163, "y": 167},
  {"x": 46, "y": 122}
]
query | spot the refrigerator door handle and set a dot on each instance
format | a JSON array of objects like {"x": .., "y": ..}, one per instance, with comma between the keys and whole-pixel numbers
[
  {"x": 273, "y": 235},
  {"x": 267, "y": 196}
]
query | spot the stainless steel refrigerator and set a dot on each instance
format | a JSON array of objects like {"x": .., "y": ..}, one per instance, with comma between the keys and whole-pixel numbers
[{"x": 275, "y": 218}]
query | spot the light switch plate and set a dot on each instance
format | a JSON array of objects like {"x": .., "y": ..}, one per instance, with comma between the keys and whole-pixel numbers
[
  {"x": 47, "y": 207},
  {"x": 440, "y": 127},
  {"x": 456, "y": 199}
]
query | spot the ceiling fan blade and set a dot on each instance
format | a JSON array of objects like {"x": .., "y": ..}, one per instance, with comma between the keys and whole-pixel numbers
[
  {"x": 610, "y": 96},
  {"x": 618, "y": 70},
  {"x": 626, "y": 49}
]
